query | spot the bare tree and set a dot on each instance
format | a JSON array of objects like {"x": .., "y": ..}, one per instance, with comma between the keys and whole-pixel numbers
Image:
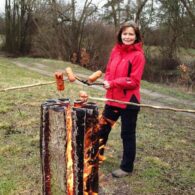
[
  {"x": 88, "y": 10},
  {"x": 190, "y": 6},
  {"x": 140, "y": 5},
  {"x": 18, "y": 16},
  {"x": 64, "y": 24},
  {"x": 113, "y": 9},
  {"x": 119, "y": 11}
]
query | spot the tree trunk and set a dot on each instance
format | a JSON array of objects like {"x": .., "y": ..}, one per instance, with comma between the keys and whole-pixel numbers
[
  {"x": 190, "y": 10},
  {"x": 140, "y": 6}
]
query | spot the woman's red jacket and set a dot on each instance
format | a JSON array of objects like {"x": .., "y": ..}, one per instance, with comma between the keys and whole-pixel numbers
[{"x": 124, "y": 72}]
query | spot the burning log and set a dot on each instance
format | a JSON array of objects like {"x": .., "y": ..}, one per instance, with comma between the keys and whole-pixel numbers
[
  {"x": 91, "y": 150},
  {"x": 44, "y": 150},
  {"x": 52, "y": 138},
  {"x": 69, "y": 147}
]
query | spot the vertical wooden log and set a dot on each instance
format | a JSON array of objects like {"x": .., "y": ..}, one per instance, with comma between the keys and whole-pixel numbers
[
  {"x": 44, "y": 149},
  {"x": 52, "y": 146},
  {"x": 80, "y": 124},
  {"x": 91, "y": 148},
  {"x": 79, "y": 116},
  {"x": 57, "y": 145}
]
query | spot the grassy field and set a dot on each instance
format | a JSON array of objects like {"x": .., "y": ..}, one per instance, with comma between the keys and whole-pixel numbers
[
  {"x": 165, "y": 141},
  {"x": 177, "y": 92}
]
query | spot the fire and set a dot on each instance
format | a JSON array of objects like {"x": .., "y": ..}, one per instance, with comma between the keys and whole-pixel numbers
[
  {"x": 101, "y": 147},
  {"x": 78, "y": 143},
  {"x": 88, "y": 164},
  {"x": 87, "y": 158},
  {"x": 90, "y": 193},
  {"x": 91, "y": 147},
  {"x": 69, "y": 159},
  {"x": 103, "y": 121}
]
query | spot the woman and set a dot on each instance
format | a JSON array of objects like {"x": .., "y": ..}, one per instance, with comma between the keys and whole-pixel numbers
[{"x": 122, "y": 82}]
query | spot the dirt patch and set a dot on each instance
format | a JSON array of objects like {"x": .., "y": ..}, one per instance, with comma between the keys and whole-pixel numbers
[{"x": 43, "y": 72}]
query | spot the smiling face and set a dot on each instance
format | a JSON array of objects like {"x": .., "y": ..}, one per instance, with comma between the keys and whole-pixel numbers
[{"x": 128, "y": 36}]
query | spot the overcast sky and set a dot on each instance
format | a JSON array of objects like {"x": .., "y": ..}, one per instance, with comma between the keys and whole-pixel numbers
[
  {"x": 97, "y": 2},
  {"x": 2, "y": 6}
]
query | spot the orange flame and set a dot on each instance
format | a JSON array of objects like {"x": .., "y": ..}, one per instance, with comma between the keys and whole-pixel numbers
[
  {"x": 88, "y": 158},
  {"x": 87, "y": 148},
  {"x": 102, "y": 146},
  {"x": 90, "y": 193},
  {"x": 88, "y": 167},
  {"x": 69, "y": 160}
]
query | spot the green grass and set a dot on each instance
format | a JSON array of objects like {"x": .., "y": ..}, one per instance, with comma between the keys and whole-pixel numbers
[
  {"x": 165, "y": 140},
  {"x": 168, "y": 90},
  {"x": 165, "y": 145}
]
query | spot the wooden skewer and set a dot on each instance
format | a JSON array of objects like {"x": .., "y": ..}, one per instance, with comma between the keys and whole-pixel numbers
[
  {"x": 27, "y": 86},
  {"x": 142, "y": 105},
  {"x": 103, "y": 99}
]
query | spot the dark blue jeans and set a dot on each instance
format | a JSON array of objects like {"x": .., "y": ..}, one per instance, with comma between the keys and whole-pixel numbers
[{"x": 128, "y": 132}]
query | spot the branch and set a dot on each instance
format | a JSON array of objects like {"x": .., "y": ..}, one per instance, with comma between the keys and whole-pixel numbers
[
  {"x": 143, "y": 105},
  {"x": 27, "y": 86},
  {"x": 190, "y": 12},
  {"x": 139, "y": 10}
]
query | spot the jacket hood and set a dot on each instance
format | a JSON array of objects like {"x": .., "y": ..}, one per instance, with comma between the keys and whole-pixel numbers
[{"x": 128, "y": 48}]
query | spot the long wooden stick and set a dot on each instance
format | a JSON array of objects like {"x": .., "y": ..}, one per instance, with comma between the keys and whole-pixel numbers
[
  {"x": 27, "y": 86},
  {"x": 104, "y": 99},
  {"x": 143, "y": 105}
]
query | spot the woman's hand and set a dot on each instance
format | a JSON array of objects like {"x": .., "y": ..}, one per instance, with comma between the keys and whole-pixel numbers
[{"x": 106, "y": 85}]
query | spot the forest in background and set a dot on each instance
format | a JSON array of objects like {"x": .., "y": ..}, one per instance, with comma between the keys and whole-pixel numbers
[{"x": 85, "y": 34}]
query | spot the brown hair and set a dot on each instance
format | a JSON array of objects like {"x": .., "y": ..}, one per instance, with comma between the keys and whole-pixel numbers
[{"x": 126, "y": 25}]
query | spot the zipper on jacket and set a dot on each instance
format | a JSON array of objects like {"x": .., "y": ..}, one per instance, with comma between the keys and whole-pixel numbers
[
  {"x": 115, "y": 74},
  {"x": 128, "y": 75}
]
